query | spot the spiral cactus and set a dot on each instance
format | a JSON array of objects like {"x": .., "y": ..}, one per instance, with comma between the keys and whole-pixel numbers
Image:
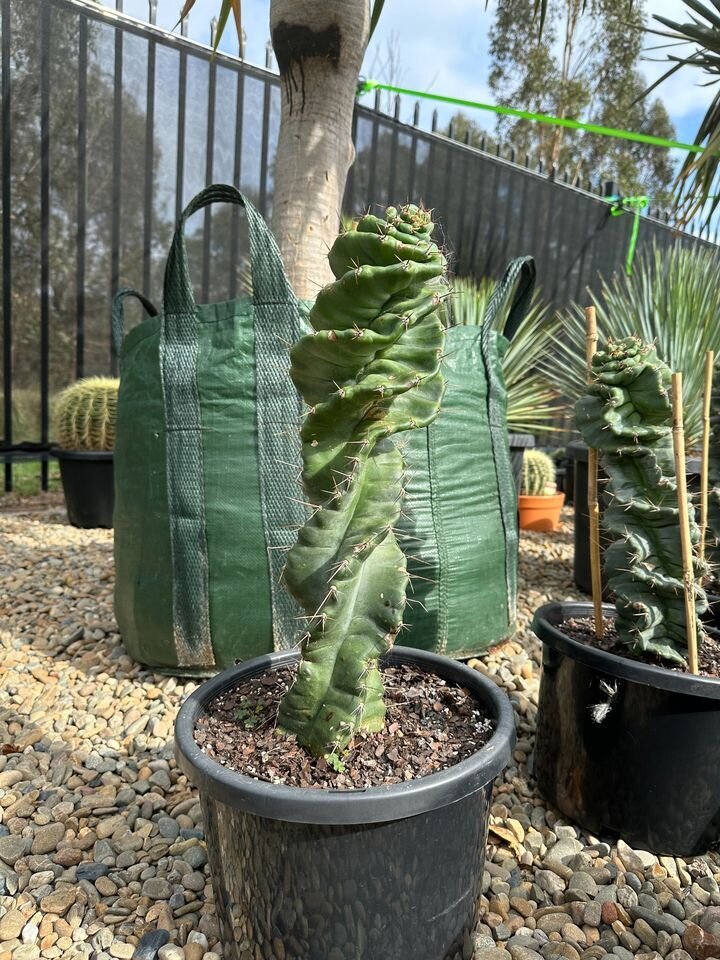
[
  {"x": 538, "y": 473},
  {"x": 370, "y": 370},
  {"x": 85, "y": 415},
  {"x": 627, "y": 416}
]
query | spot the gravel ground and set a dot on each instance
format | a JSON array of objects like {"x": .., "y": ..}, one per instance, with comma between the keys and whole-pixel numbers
[{"x": 101, "y": 847}]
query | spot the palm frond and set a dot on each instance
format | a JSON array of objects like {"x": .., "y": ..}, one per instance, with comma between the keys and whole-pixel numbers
[
  {"x": 226, "y": 8},
  {"x": 534, "y": 403},
  {"x": 699, "y": 177},
  {"x": 671, "y": 299}
]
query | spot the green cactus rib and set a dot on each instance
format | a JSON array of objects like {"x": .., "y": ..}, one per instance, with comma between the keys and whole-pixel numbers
[
  {"x": 713, "y": 538},
  {"x": 370, "y": 370},
  {"x": 538, "y": 473},
  {"x": 627, "y": 416},
  {"x": 86, "y": 413}
]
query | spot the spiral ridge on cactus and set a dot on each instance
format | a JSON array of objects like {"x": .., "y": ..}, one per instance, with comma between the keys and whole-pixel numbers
[
  {"x": 538, "y": 473},
  {"x": 86, "y": 413},
  {"x": 627, "y": 415},
  {"x": 370, "y": 370}
]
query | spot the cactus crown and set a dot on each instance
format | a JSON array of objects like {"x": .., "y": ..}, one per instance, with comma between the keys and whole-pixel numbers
[
  {"x": 538, "y": 474},
  {"x": 627, "y": 415},
  {"x": 85, "y": 414},
  {"x": 371, "y": 369}
]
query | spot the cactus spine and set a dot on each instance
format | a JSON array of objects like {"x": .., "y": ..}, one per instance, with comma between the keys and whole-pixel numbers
[
  {"x": 370, "y": 370},
  {"x": 85, "y": 414},
  {"x": 627, "y": 415},
  {"x": 538, "y": 473}
]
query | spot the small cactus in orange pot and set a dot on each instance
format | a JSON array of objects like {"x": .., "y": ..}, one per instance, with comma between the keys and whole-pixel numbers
[{"x": 539, "y": 502}]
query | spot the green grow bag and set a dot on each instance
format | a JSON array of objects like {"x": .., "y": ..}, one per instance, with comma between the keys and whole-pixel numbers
[
  {"x": 206, "y": 459},
  {"x": 460, "y": 530}
]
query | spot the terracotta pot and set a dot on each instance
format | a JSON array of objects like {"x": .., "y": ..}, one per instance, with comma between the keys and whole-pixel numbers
[{"x": 540, "y": 513}]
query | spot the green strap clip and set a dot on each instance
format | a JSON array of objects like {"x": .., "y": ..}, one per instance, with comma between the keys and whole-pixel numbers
[{"x": 633, "y": 205}]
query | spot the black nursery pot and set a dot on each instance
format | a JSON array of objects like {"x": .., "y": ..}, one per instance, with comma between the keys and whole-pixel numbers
[
  {"x": 385, "y": 872},
  {"x": 626, "y": 748},
  {"x": 87, "y": 479}
]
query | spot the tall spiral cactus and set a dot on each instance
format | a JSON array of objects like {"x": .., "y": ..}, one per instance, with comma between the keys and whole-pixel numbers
[
  {"x": 85, "y": 414},
  {"x": 627, "y": 416},
  {"x": 370, "y": 370},
  {"x": 538, "y": 473}
]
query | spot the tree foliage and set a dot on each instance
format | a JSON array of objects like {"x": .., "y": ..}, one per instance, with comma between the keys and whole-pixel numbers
[{"x": 583, "y": 66}]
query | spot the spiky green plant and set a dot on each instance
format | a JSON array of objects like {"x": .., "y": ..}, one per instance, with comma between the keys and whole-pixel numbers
[
  {"x": 626, "y": 414},
  {"x": 672, "y": 300},
  {"x": 699, "y": 177},
  {"x": 370, "y": 370},
  {"x": 538, "y": 473},
  {"x": 85, "y": 414},
  {"x": 533, "y": 400}
]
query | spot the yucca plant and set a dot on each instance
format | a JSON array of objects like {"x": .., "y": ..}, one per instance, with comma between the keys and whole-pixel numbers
[
  {"x": 672, "y": 300},
  {"x": 534, "y": 402},
  {"x": 699, "y": 38}
]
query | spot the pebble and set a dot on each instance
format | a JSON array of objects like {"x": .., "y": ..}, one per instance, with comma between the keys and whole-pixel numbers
[{"x": 102, "y": 852}]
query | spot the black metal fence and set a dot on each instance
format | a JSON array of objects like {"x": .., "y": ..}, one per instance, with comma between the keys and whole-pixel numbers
[{"x": 110, "y": 126}]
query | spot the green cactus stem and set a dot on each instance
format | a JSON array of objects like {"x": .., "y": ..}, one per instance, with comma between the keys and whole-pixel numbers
[
  {"x": 85, "y": 414},
  {"x": 538, "y": 473},
  {"x": 627, "y": 416},
  {"x": 713, "y": 532},
  {"x": 370, "y": 370}
]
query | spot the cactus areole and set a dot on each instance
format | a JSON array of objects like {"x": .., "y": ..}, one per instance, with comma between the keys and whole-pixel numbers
[
  {"x": 627, "y": 415},
  {"x": 370, "y": 370}
]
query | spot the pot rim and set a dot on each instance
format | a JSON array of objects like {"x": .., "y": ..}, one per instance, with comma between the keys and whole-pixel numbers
[
  {"x": 340, "y": 807},
  {"x": 62, "y": 454},
  {"x": 549, "y": 499},
  {"x": 546, "y": 626}
]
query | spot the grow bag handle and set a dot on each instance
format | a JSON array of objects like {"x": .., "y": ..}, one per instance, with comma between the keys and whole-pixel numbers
[
  {"x": 118, "y": 314},
  {"x": 270, "y": 285},
  {"x": 518, "y": 283}
]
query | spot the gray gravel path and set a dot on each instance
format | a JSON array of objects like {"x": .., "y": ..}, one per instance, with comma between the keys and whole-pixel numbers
[{"x": 101, "y": 845}]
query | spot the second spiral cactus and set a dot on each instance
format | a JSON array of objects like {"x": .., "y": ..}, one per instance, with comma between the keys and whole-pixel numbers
[
  {"x": 627, "y": 415},
  {"x": 85, "y": 415},
  {"x": 538, "y": 474},
  {"x": 370, "y": 370}
]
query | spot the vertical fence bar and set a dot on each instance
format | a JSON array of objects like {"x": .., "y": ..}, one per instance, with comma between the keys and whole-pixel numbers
[
  {"x": 209, "y": 164},
  {"x": 149, "y": 163},
  {"x": 413, "y": 151},
  {"x": 81, "y": 207},
  {"x": 373, "y": 153},
  {"x": 237, "y": 180},
  {"x": 44, "y": 234},
  {"x": 394, "y": 136},
  {"x": 116, "y": 175},
  {"x": 182, "y": 103},
  {"x": 265, "y": 141},
  {"x": 5, "y": 87}
]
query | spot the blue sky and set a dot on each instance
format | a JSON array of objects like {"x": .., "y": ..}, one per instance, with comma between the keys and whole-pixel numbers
[{"x": 441, "y": 47}]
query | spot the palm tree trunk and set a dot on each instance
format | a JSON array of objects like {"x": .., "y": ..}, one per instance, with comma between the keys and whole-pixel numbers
[{"x": 319, "y": 46}]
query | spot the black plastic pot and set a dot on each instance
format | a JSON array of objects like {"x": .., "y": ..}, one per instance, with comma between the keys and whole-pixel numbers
[
  {"x": 386, "y": 872},
  {"x": 87, "y": 479},
  {"x": 578, "y": 453},
  {"x": 519, "y": 443},
  {"x": 626, "y": 748}
]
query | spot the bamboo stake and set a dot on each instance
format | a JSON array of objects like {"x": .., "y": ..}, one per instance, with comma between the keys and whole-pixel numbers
[
  {"x": 591, "y": 339},
  {"x": 684, "y": 521},
  {"x": 709, "y": 361}
]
